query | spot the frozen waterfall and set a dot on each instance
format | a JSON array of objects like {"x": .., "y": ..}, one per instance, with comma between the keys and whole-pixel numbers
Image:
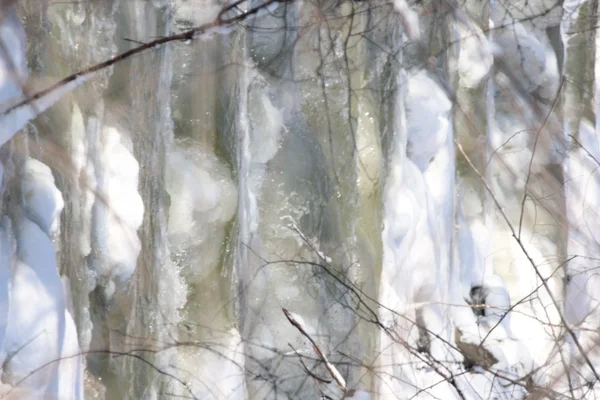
[{"x": 299, "y": 199}]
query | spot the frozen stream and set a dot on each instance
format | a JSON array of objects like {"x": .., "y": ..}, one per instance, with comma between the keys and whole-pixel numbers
[{"x": 416, "y": 183}]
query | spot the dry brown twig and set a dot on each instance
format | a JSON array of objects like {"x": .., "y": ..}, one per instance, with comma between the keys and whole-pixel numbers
[{"x": 221, "y": 21}]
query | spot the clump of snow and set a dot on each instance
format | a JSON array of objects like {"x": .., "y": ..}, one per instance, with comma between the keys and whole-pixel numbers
[
  {"x": 270, "y": 123},
  {"x": 358, "y": 395},
  {"x": 523, "y": 54},
  {"x": 42, "y": 201},
  {"x": 221, "y": 375},
  {"x": 118, "y": 210},
  {"x": 41, "y": 349},
  {"x": 409, "y": 19},
  {"x": 195, "y": 12},
  {"x": 203, "y": 201},
  {"x": 427, "y": 119},
  {"x": 474, "y": 58},
  {"x": 416, "y": 237}
]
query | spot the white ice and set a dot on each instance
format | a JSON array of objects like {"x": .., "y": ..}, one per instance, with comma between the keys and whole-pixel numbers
[
  {"x": 118, "y": 210},
  {"x": 40, "y": 350}
]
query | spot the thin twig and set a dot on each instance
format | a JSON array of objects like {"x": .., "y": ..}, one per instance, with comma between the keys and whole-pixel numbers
[
  {"x": 537, "y": 136},
  {"x": 335, "y": 374},
  {"x": 526, "y": 253},
  {"x": 191, "y": 34},
  {"x": 308, "y": 371}
]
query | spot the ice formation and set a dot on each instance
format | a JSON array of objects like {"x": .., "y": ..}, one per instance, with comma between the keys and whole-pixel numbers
[
  {"x": 40, "y": 353},
  {"x": 117, "y": 212},
  {"x": 419, "y": 192},
  {"x": 40, "y": 344}
]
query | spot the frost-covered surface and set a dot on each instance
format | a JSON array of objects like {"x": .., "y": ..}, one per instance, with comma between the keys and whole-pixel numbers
[
  {"x": 118, "y": 211},
  {"x": 40, "y": 346},
  {"x": 40, "y": 354},
  {"x": 157, "y": 219}
]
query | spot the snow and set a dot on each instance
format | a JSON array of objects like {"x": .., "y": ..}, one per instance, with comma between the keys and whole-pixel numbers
[
  {"x": 271, "y": 124},
  {"x": 13, "y": 64},
  {"x": 428, "y": 122},
  {"x": 417, "y": 229},
  {"x": 409, "y": 19},
  {"x": 582, "y": 303},
  {"x": 203, "y": 201},
  {"x": 118, "y": 210},
  {"x": 537, "y": 14},
  {"x": 418, "y": 275},
  {"x": 518, "y": 48},
  {"x": 195, "y": 12},
  {"x": 443, "y": 249},
  {"x": 7, "y": 257},
  {"x": 475, "y": 56},
  {"x": 41, "y": 349},
  {"x": 41, "y": 199},
  {"x": 358, "y": 395}
]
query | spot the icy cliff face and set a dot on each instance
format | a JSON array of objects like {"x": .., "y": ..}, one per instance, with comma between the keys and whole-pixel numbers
[
  {"x": 415, "y": 184},
  {"x": 40, "y": 353}
]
